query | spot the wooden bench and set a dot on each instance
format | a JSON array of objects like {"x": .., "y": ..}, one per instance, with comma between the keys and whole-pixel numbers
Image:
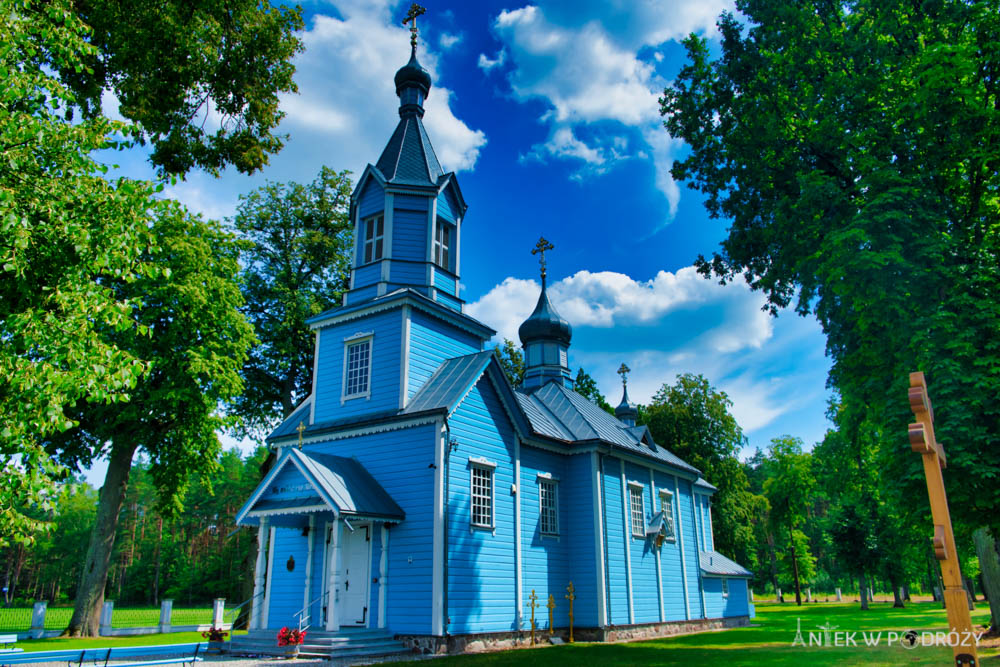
[
  {"x": 8, "y": 642},
  {"x": 101, "y": 657}
]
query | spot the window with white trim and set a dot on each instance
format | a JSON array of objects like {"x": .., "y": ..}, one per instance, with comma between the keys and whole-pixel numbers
[
  {"x": 725, "y": 587},
  {"x": 482, "y": 496},
  {"x": 636, "y": 511},
  {"x": 357, "y": 368},
  {"x": 442, "y": 244},
  {"x": 667, "y": 507},
  {"x": 374, "y": 228},
  {"x": 548, "y": 502}
]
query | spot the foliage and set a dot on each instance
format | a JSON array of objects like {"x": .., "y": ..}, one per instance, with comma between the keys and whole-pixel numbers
[
  {"x": 290, "y": 636},
  {"x": 296, "y": 262},
  {"x": 511, "y": 361},
  {"x": 200, "y": 77},
  {"x": 214, "y": 634},
  {"x": 692, "y": 420},
  {"x": 586, "y": 386},
  {"x": 853, "y": 148}
]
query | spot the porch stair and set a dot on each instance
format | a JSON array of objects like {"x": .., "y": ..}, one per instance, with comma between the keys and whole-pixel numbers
[{"x": 345, "y": 643}]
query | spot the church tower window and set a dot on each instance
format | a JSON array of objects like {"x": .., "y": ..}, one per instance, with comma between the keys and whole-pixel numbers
[
  {"x": 548, "y": 523},
  {"x": 482, "y": 497},
  {"x": 636, "y": 511},
  {"x": 442, "y": 245},
  {"x": 374, "y": 231},
  {"x": 357, "y": 368}
]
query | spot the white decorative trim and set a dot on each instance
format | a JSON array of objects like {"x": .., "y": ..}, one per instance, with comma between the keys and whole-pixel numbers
[
  {"x": 387, "y": 237},
  {"x": 554, "y": 481},
  {"x": 680, "y": 541},
  {"x": 602, "y": 600},
  {"x": 637, "y": 485},
  {"x": 357, "y": 339},
  {"x": 458, "y": 251},
  {"x": 383, "y": 427},
  {"x": 290, "y": 510},
  {"x": 260, "y": 576},
  {"x": 711, "y": 529},
  {"x": 437, "y": 572},
  {"x": 383, "y": 574},
  {"x": 627, "y": 516},
  {"x": 701, "y": 588},
  {"x": 267, "y": 581},
  {"x": 481, "y": 462},
  {"x": 518, "y": 590},
  {"x": 547, "y": 475},
  {"x": 359, "y": 335},
  {"x": 333, "y": 576},
  {"x": 452, "y": 316},
  {"x": 429, "y": 251},
  {"x": 404, "y": 358},
  {"x": 310, "y": 547},
  {"x": 312, "y": 408},
  {"x": 659, "y": 572}
]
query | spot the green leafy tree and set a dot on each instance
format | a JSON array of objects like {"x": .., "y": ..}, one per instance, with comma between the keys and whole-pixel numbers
[
  {"x": 200, "y": 77},
  {"x": 193, "y": 337},
  {"x": 511, "y": 361},
  {"x": 788, "y": 491},
  {"x": 296, "y": 263},
  {"x": 692, "y": 419},
  {"x": 586, "y": 386}
]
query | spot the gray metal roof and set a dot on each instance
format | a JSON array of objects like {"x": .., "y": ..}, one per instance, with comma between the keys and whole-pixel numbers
[
  {"x": 350, "y": 485},
  {"x": 287, "y": 427},
  {"x": 409, "y": 158},
  {"x": 712, "y": 562},
  {"x": 449, "y": 383},
  {"x": 700, "y": 482}
]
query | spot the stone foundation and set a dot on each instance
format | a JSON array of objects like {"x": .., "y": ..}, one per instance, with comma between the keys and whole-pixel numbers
[{"x": 502, "y": 641}]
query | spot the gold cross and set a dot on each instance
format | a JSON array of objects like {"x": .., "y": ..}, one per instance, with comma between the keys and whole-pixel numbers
[
  {"x": 624, "y": 370},
  {"x": 570, "y": 597},
  {"x": 411, "y": 18},
  {"x": 301, "y": 429},
  {"x": 541, "y": 247}
]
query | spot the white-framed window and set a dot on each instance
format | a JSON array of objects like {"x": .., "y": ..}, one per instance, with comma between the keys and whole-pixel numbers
[
  {"x": 667, "y": 507},
  {"x": 482, "y": 496},
  {"x": 725, "y": 588},
  {"x": 374, "y": 230},
  {"x": 357, "y": 367},
  {"x": 442, "y": 244},
  {"x": 548, "y": 505},
  {"x": 636, "y": 511}
]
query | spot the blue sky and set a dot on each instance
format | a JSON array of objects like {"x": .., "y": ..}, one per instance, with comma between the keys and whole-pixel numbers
[{"x": 549, "y": 114}]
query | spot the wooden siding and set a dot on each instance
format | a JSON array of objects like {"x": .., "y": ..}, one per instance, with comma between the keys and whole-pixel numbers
[
  {"x": 691, "y": 541},
  {"x": 444, "y": 281},
  {"x": 614, "y": 531},
  {"x": 398, "y": 461},
  {"x": 481, "y": 573},
  {"x": 385, "y": 361},
  {"x": 450, "y": 301},
  {"x": 575, "y": 506},
  {"x": 287, "y": 587},
  {"x": 546, "y": 559},
  {"x": 447, "y": 206},
  {"x": 372, "y": 199},
  {"x": 723, "y": 607},
  {"x": 411, "y": 202},
  {"x": 409, "y": 235},
  {"x": 408, "y": 273},
  {"x": 431, "y": 342},
  {"x": 372, "y": 617},
  {"x": 363, "y": 294},
  {"x": 369, "y": 274},
  {"x": 645, "y": 596},
  {"x": 670, "y": 560}
]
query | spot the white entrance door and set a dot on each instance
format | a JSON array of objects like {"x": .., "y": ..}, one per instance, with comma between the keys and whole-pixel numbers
[{"x": 354, "y": 582}]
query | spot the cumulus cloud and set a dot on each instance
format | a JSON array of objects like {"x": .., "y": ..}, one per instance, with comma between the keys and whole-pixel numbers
[
  {"x": 670, "y": 324},
  {"x": 583, "y": 62},
  {"x": 448, "y": 41},
  {"x": 486, "y": 64}
]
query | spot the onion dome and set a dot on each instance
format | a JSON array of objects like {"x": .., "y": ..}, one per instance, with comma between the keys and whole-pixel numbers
[
  {"x": 626, "y": 410},
  {"x": 412, "y": 74},
  {"x": 545, "y": 323}
]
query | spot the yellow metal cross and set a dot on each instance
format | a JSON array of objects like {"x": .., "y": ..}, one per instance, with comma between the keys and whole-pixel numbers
[
  {"x": 624, "y": 370},
  {"x": 534, "y": 600},
  {"x": 570, "y": 597},
  {"x": 541, "y": 247},
  {"x": 301, "y": 429},
  {"x": 411, "y": 18}
]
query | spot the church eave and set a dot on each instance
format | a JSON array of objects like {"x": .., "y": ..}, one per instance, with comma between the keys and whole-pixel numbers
[{"x": 324, "y": 431}]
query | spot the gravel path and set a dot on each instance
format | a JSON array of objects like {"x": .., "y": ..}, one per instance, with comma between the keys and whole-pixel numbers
[{"x": 263, "y": 661}]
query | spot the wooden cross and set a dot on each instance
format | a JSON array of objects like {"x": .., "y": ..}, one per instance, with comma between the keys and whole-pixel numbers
[
  {"x": 541, "y": 247},
  {"x": 552, "y": 606},
  {"x": 922, "y": 441},
  {"x": 570, "y": 597},
  {"x": 624, "y": 370},
  {"x": 411, "y": 18},
  {"x": 301, "y": 429},
  {"x": 534, "y": 599}
]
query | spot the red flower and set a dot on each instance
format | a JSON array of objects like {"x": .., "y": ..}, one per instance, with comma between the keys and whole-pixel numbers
[{"x": 290, "y": 637}]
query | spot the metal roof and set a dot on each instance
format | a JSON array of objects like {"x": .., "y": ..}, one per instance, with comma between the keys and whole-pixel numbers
[
  {"x": 712, "y": 562},
  {"x": 409, "y": 158},
  {"x": 701, "y": 483},
  {"x": 450, "y": 383},
  {"x": 287, "y": 427}
]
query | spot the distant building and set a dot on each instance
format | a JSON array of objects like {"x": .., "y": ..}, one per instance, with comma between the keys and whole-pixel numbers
[{"x": 417, "y": 492}]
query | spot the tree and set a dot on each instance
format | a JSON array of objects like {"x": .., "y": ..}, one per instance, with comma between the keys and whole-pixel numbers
[
  {"x": 788, "y": 492},
  {"x": 692, "y": 420},
  {"x": 178, "y": 67},
  {"x": 194, "y": 339},
  {"x": 296, "y": 263},
  {"x": 511, "y": 361},
  {"x": 586, "y": 386},
  {"x": 853, "y": 148}
]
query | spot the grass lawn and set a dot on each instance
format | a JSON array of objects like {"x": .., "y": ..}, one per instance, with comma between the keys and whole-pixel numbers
[
  {"x": 66, "y": 643},
  {"x": 768, "y": 642}
]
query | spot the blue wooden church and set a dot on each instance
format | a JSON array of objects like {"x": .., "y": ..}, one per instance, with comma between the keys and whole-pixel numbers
[{"x": 418, "y": 494}]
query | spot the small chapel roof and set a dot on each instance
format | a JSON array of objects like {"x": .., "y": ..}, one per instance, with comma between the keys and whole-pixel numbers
[
  {"x": 450, "y": 382},
  {"x": 712, "y": 562}
]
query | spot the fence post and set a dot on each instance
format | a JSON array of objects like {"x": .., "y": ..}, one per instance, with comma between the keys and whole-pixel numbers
[
  {"x": 38, "y": 619},
  {"x": 166, "y": 608},
  {"x": 106, "y": 611},
  {"x": 218, "y": 610},
  {"x": 750, "y": 591},
  {"x": 840, "y": 597}
]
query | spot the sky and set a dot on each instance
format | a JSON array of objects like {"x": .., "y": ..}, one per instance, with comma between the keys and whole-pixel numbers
[{"x": 548, "y": 113}]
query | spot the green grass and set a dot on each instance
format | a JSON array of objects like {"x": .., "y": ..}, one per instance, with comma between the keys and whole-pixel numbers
[
  {"x": 57, "y": 618},
  {"x": 768, "y": 642},
  {"x": 66, "y": 643}
]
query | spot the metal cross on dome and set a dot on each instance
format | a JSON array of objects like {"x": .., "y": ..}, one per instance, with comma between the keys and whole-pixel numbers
[
  {"x": 411, "y": 18},
  {"x": 624, "y": 370},
  {"x": 541, "y": 247}
]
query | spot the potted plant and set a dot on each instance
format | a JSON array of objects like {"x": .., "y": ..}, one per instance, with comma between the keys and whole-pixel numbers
[
  {"x": 216, "y": 639},
  {"x": 292, "y": 639}
]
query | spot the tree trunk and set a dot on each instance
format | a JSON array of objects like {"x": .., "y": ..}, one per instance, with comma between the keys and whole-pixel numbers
[
  {"x": 795, "y": 569},
  {"x": 94, "y": 577},
  {"x": 774, "y": 564},
  {"x": 863, "y": 585},
  {"x": 906, "y": 593},
  {"x": 156, "y": 577},
  {"x": 897, "y": 599},
  {"x": 987, "y": 550}
]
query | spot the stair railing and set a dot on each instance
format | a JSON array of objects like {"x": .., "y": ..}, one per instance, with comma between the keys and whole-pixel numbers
[
  {"x": 234, "y": 614},
  {"x": 305, "y": 618}
]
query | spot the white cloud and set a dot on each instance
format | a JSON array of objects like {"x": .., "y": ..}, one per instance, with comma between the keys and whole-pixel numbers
[
  {"x": 447, "y": 41},
  {"x": 583, "y": 61},
  {"x": 487, "y": 64}
]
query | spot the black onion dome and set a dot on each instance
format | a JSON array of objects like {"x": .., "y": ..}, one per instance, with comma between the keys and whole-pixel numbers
[
  {"x": 626, "y": 408},
  {"x": 412, "y": 73},
  {"x": 545, "y": 324}
]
